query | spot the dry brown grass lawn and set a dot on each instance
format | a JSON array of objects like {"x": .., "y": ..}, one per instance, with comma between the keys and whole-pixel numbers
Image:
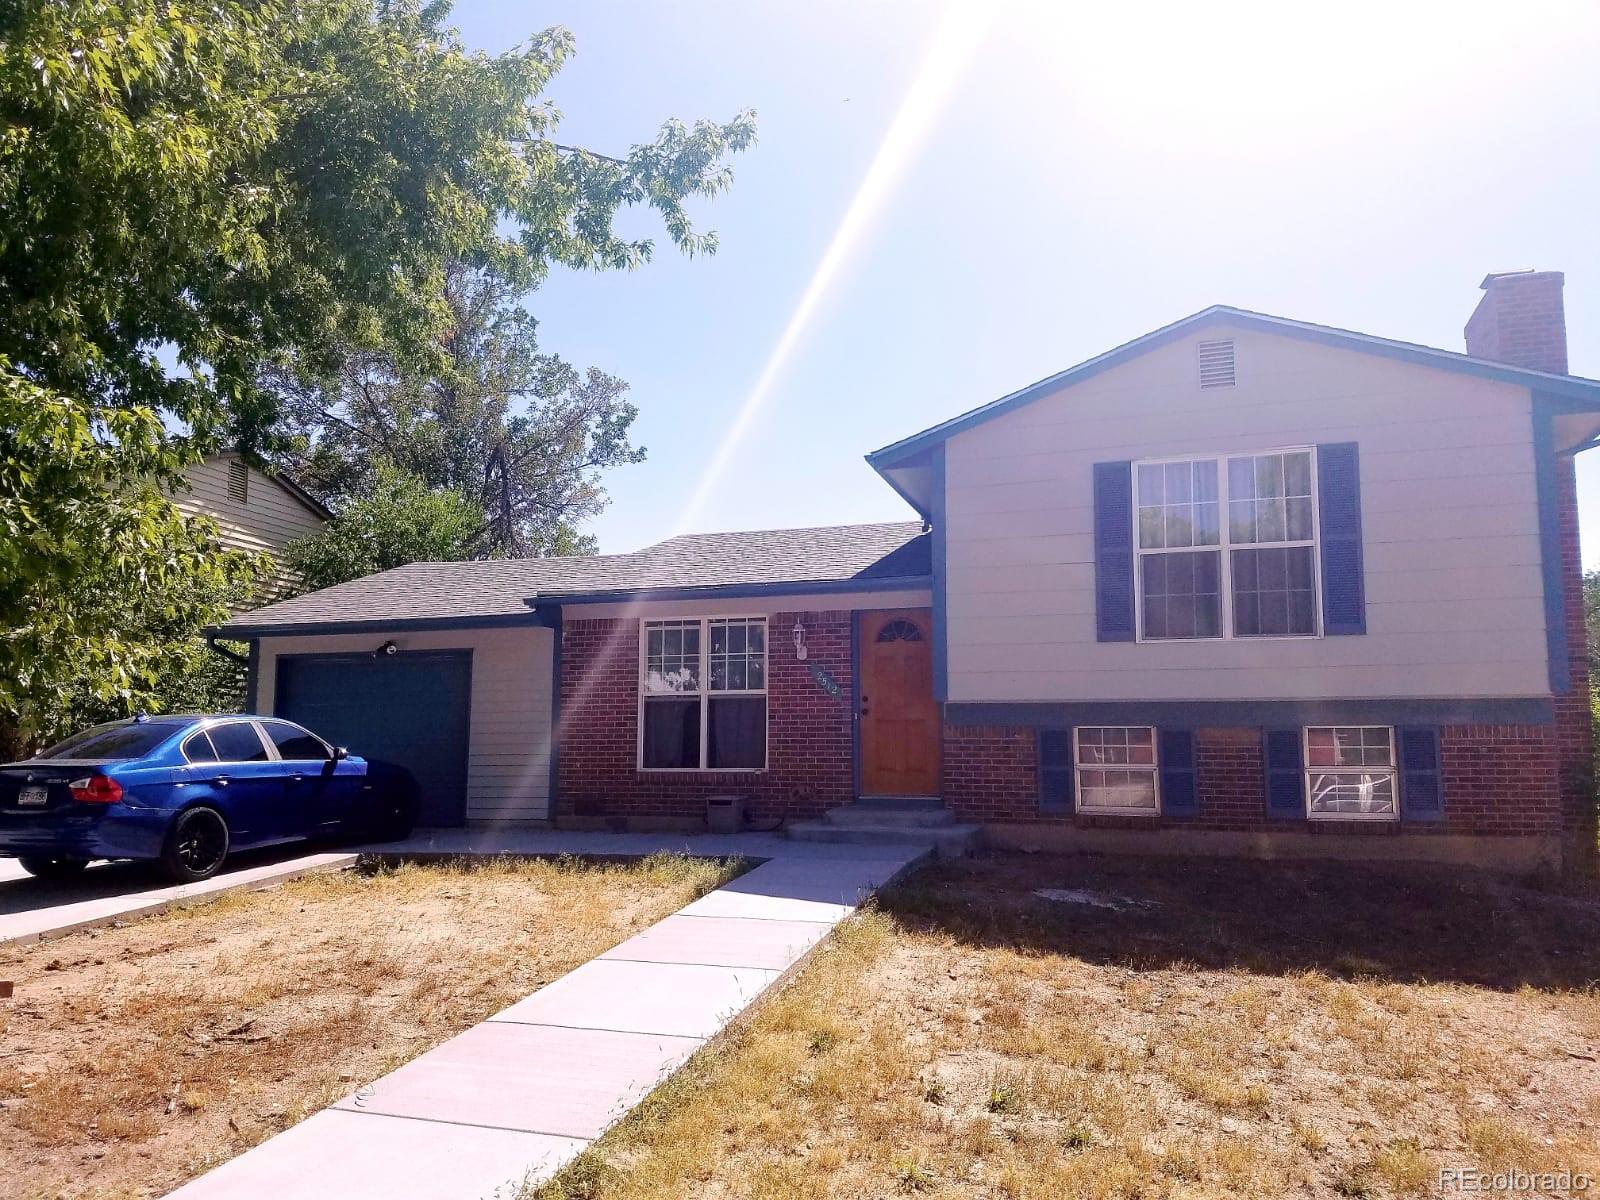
[
  {"x": 1257, "y": 1030},
  {"x": 134, "y": 1058}
]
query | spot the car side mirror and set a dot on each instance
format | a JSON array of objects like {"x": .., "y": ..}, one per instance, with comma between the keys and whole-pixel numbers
[{"x": 340, "y": 754}]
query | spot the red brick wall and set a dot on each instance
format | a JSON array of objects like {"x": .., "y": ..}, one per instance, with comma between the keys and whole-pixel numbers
[
  {"x": 1498, "y": 779},
  {"x": 809, "y": 733},
  {"x": 1501, "y": 779},
  {"x": 1574, "y": 725},
  {"x": 991, "y": 773},
  {"x": 1230, "y": 777},
  {"x": 1521, "y": 320}
]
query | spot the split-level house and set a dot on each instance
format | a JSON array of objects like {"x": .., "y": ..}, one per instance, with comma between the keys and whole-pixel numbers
[{"x": 1244, "y": 584}]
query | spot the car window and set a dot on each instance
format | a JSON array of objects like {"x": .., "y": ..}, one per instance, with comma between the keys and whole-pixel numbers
[
  {"x": 122, "y": 739},
  {"x": 295, "y": 743},
  {"x": 198, "y": 749},
  {"x": 237, "y": 741}
]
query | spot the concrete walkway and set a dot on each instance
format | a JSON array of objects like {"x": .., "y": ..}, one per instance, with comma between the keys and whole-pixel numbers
[
  {"x": 509, "y": 1102},
  {"x": 34, "y": 909}
]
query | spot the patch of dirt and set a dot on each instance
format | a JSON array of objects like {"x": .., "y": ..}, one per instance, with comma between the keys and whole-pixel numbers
[
  {"x": 134, "y": 1058},
  {"x": 1243, "y": 1029}
]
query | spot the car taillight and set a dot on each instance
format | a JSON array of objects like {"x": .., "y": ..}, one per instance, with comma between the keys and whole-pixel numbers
[{"x": 96, "y": 789}]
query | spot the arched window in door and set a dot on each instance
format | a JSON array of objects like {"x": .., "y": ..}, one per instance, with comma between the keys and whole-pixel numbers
[{"x": 900, "y": 630}]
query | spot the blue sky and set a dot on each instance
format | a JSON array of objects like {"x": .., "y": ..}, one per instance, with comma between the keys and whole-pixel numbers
[{"x": 1057, "y": 186}]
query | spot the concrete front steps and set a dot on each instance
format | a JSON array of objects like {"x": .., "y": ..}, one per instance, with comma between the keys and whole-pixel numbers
[{"x": 870, "y": 821}]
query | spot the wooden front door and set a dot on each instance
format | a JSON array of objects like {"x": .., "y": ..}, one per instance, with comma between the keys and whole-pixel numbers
[{"x": 899, "y": 726}]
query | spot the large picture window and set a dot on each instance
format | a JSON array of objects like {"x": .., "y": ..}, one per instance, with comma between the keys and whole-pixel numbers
[
  {"x": 1227, "y": 546},
  {"x": 703, "y": 695},
  {"x": 1350, "y": 772},
  {"x": 1116, "y": 768}
]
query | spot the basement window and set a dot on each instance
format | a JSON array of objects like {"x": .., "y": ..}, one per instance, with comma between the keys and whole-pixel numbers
[
  {"x": 1350, "y": 772},
  {"x": 1116, "y": 768},
  {"x": 703, "y": 695}
]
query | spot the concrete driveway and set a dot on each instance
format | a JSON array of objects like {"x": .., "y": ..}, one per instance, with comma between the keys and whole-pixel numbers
[{"x": 35, "y": 908}]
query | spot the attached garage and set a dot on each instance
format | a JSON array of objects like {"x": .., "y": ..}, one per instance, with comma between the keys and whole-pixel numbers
[
  {"x": 411, "y": 709},
  {"x": 466, "y": 710},
  {"x": 455, "y": 670}
]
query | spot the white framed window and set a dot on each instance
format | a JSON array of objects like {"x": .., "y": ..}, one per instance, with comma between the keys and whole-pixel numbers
[
  {"x": 703, "y": 694},
  {"x": 1226, "y": 546},
  {"x": 1350, "y": 773},
  {"x": 1115, "y": 769}
]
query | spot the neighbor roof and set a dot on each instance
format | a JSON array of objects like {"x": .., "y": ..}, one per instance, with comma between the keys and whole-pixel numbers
[
  {"x": 500, "y": 591},
  {"x": 1572, "y": 387}
]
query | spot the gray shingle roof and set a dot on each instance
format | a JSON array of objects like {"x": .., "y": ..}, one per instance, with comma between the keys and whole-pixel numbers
[{"x": 441, "y": 592}]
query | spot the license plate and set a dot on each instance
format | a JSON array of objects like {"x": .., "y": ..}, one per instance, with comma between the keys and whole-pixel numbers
[{"x": 36, "y": 797}]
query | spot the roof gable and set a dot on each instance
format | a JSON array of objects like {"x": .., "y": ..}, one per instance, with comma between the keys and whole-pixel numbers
[
  {"x": 285, "y": 484},
  {"x": 1581, "y": 393}
]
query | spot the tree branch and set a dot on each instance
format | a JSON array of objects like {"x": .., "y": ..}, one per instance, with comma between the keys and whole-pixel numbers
[{"x": 566, "y": 149}]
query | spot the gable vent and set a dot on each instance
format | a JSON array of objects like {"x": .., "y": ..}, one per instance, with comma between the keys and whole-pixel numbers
[
  {"x": 1216, "y": 364},
  {"x": 238, "y": 481}
]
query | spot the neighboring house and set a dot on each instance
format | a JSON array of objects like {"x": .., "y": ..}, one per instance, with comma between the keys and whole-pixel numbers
[
  {"x": 1244, "y": 584},
  {"x": 254, "y": 510}
]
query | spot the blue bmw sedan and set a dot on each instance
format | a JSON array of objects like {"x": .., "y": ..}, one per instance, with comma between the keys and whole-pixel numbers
[{"x": 186, "y": 790}]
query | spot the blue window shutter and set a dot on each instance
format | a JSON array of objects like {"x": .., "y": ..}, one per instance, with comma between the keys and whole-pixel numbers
[
  {"x": 1180, "y": 797},
  {"x": 1286, "y": 788},
  {"x": 1113, "y": 551},
  {"x": 1421, "y": 773},
  {"x": 1344, "y": 599},
  {"x": 1055, "y": 770}
]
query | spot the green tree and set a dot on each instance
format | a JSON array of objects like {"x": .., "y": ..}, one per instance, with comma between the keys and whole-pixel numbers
[
  {"x": 189, "y": 194},
  {"x": 522, "y": 436},
  {"x": 99, "y": 572},
  {"x": 1591, "y": 622},
  {"x": 401, "y": 520}
]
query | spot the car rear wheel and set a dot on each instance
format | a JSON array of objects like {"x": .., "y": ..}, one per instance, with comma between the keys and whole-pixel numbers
[
  {"x": 54, "y": 866},
  {"x": 196, "y": 845},
  {"x": 397, "y": 810}
]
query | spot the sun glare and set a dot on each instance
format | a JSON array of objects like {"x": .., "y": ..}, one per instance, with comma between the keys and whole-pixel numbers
[{"x": 955, "y": 42}]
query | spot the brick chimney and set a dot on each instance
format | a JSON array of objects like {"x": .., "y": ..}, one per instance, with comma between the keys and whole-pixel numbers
[{"x": 1521, "y": 320}]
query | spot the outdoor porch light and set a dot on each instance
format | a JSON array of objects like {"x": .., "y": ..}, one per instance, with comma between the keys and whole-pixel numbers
[{"x": 800, "y": 641}]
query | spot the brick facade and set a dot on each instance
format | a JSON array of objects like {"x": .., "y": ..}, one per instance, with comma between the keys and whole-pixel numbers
[
  {"x": 1230, "y": 777},
  {"x": 1508, "y": 780},
  {"x": 1498, "y": 780},
  {"x": 809, "y": 733},
  {"x": 991, "y": 773},
  {"x": 1574, "y": 722}
]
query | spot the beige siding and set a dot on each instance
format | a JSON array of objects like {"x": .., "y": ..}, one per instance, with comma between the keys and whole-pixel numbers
[
  {"x": 269, "y": 519},
  {"x": 1453, "y": 581},
  {"x": 508, "y": 754}
]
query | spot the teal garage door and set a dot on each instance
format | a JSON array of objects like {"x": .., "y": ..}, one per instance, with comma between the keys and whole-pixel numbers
[{"x": 411, "y": 709}]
